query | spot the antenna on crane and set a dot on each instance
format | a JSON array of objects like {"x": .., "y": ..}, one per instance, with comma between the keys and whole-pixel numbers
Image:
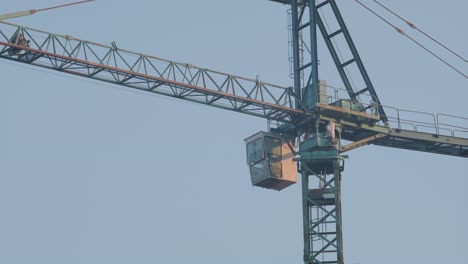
[{"x": 34, "y": 11}]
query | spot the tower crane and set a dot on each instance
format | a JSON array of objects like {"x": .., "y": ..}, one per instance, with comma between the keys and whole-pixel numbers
[{"x": 312, "y": 123}]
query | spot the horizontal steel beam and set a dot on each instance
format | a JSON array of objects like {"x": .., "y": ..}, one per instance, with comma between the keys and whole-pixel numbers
[
  {"x": 286, "y": 2},
  {"x": 403, "y": 139},
  {"x": 362, "y": 142},
  {"x": 148, "y": 73}
]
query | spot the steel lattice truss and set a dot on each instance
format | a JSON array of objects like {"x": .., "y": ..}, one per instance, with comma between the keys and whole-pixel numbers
[
  {"x": 148, "y": 73},
  {"x": 321, "y": 199},
  {"x": 184, "y": 81}
]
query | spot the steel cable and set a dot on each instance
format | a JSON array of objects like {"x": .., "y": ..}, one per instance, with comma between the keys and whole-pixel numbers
[
  {"x": 412, "y": 39},
  {"x": 420, "y": 31},
  {"x": 64, "y": 5}
]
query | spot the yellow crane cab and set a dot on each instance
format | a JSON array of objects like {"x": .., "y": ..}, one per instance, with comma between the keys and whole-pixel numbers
[{"x": 271, "y": 161}]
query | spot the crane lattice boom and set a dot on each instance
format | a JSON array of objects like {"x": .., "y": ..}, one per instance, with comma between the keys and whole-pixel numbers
[
  {"x": 181, "y": 80},
  {"x": 184, "y": 81}
]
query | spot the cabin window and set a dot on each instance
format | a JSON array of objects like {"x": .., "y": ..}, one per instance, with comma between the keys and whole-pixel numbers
[
  {"x": 255, "y": 151},
  {"x": 259, "y": 171}
]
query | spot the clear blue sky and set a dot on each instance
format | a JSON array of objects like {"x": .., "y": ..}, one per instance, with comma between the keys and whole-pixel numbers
[{"x": 100, "y": 174}]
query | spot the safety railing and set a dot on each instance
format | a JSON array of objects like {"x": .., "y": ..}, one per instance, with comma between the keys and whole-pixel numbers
[{"x": 404, "y": 119}]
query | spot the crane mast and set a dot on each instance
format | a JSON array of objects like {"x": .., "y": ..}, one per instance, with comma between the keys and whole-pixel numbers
[
  {"x": 320, "y": 163},
  {"x": 305, "y": 113}
]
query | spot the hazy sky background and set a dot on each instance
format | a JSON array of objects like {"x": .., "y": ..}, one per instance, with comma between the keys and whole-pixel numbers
[{"x": 92, "y": 173}]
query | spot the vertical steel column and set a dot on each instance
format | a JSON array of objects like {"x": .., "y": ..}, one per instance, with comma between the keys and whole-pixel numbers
[
  {"x": 306, "y": 214},
  {"x": 296, "y": 51},
  {"x": 320, "y": 170},
  {"x": 311, "y": 90},
  {"x": 306, "y": 78}
]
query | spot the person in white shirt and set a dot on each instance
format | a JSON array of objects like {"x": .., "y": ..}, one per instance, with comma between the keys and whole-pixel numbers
[{"x": 331, "y": 131}]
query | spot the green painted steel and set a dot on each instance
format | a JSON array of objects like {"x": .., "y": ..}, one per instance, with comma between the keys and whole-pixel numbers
[
  {"x": 305, "y": 68},
  {"x": 310, "y": 15},
  {"x": 321, "y": 165},
  {"x": 319, "y": 159}
]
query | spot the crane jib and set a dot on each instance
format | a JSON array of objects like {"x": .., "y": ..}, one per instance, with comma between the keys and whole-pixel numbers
[
  {"x": 203, "y": 86},
  {"x": 36, "y": 54}
]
